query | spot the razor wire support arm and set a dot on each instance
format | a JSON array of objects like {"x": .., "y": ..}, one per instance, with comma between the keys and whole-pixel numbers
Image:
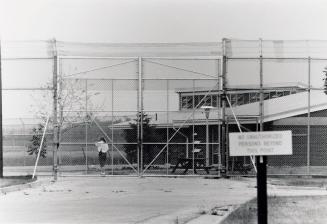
[
  {"x": 240, "y": 130},
  {"x": 41, "y": 144}
]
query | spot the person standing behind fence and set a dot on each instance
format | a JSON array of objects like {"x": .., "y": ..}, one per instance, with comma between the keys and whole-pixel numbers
[{"x": 102, "y": 149}]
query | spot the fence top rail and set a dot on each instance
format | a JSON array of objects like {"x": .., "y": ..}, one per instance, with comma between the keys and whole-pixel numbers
[
  {"x": 143, "y": 78},
  {"x": 142, "y": 57},
  {"x": 276, "y": 58},
  {"x": 65, "y": 49}
]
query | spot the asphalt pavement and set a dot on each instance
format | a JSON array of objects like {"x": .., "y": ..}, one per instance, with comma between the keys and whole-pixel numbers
[{"x": 122, "y": 199}]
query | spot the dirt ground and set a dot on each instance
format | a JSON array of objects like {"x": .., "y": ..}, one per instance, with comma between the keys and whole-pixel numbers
[
  {"x": 320, "y": 182},
  {"x": 14, "y": 180},
  {"x": 120, "y": 199},
  {"x": 284, "y": 210},
  {"x": 301, "y": 200}
]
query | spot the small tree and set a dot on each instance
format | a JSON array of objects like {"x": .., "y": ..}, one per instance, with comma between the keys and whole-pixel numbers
[
  {"x": 72, "y": 96},
  {"x": 325, "y": 80},
  {"x": 149, "y": 135},
  {"x": 35, "y": 142}
]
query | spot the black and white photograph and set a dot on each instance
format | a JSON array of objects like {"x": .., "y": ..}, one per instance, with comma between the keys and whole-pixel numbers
[{"x": 163, "y": 111}]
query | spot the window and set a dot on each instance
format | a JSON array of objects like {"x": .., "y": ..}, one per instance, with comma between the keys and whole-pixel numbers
[
  {"x": 273, "y": 95},
  {"x": 233, "y": 99},
  {"x": 254, "y": 97},
  {"x": 207, "y": 101},
  {"x": 214, "y": 101},
  {"x": 266, "y": 96},
  {"x": 240, "y": 99},
  {"x": 287, "y": 93},
  {"x": 246, "y": 98},
  {"x": 279, "y": 93},
  {"x": 197, "y": 100},
  {"x": 186, "y": 102},
  {"x": 182, "y": 102}
]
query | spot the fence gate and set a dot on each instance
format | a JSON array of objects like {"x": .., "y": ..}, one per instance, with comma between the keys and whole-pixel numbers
[
  {"x": 99, "y": 97},
  {"x": 157, "y": 114},
  {"x": 180, "y": 137}
]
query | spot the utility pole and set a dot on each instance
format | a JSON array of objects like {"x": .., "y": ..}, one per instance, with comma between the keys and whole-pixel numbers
[{"x": 1, "y": 138}]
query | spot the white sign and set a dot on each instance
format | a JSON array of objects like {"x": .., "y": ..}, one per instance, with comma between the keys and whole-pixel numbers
[{"x": 260, "y": 143}]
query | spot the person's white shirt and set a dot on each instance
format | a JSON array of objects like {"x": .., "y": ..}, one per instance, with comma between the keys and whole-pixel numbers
[{"x": 102, "y": 146}]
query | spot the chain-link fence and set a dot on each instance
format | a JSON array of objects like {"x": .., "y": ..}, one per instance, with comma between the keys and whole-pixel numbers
[
  {"x": 290, "y": 75},
  {"x": 163, "y": 109},
  {"x": 27, "y": 75},
  {"x": 146, "y": 108}
]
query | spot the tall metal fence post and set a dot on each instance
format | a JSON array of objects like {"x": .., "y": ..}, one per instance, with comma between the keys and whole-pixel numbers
[
  {"x": 223, "y": 109},
  {"x": 139, "y": 119},
  {"x": 112, "y": 127},
  {"x": 141, "y": 132},
  {"x": 1, "y": 138},
  {"x": 86, "y": 127},
  {"x": 308, "y": 124},
  {"x": 261, "y": 161},
  {"x": 55, "y": 111},
  {"x": 193, "y": 125},
  {"x": 219, "y": 116},
  {"x": 167, "y": 120}
]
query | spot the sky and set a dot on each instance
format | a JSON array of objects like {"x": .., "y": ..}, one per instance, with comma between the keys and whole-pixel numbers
[
  {"x": 162, "y": 20},
  {"x": 153, "y": 21}
]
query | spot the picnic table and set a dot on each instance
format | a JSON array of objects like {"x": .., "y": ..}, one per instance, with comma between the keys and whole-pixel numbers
[
  {"x": 187, "y": 163},
  {"x": 240, "y": 166}
]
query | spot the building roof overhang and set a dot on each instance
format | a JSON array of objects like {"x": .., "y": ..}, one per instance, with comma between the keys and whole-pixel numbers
[{"x": 247, "y": 88}]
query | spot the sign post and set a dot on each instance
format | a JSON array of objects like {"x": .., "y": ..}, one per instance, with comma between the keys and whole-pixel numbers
[
  {"x": 261, "y": 162},
  {"x": 261, "y": 144}
]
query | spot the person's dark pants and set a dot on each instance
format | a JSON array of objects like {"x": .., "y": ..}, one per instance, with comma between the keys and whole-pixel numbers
[{"x": 102, "y": 159}]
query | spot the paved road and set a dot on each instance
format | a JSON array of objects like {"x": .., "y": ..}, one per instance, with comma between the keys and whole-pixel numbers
[{"x": 119, "y": 199}]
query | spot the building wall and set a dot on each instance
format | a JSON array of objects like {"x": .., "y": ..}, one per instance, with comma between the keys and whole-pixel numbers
[
  {"x": 321, "y": 113},
  {"x": 317, "y": 150},
  {"x": 299, "y": 141}
]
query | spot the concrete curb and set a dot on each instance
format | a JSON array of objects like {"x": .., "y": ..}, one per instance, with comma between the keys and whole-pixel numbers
[
  {"x": 226, "y": 211},
  {"x": 195, "y": 216},
  {"x": 214, "y": 219},
  {"x": 182, "y": 216},
  {"x": 20, "y": 187},
  {"x": 236, "y": 207}
]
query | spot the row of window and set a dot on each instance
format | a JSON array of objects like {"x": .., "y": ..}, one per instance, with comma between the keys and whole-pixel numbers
[{"x": 236, "y": 99}]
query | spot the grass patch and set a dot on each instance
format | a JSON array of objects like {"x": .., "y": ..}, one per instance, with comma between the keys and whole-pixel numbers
[
  {"x": 284, "y": 210},
  {"x": 299, "y": 181},
  {"x": 15, "y": 180}
]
